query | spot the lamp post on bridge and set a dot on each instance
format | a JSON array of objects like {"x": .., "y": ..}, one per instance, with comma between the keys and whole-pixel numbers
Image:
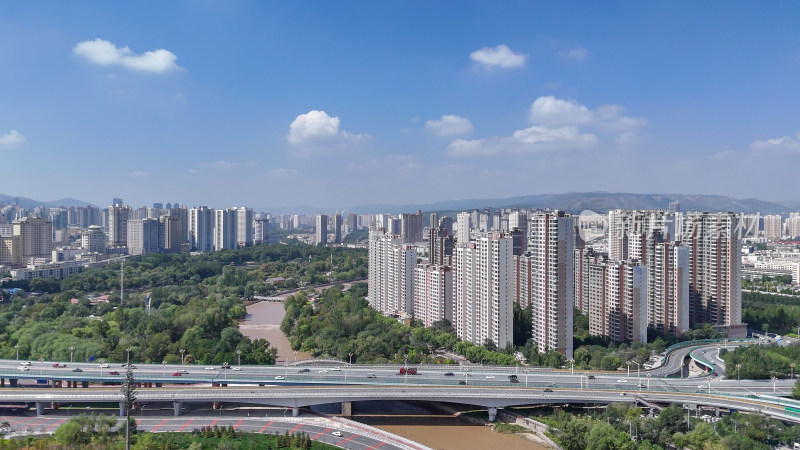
[
  {"x": 648, "y": 381},
  {"x": 349, "y": 363},
  {"x": 738, "y": 368},
  {"x": 774, "y": 381},
  {"x": 17, "y": 347},
  {"x": 629, "y": 368},
  {"x": 406, "y": 367},
  {"x": 572, "y": 366},
  {"x": 129, "y": 356},
  {"x": 41, "y": 366},
  {"x": 71, "y": 352},
  {"x": 239, "y": 356},
  {"x": 183, "y": 353},
  {"x": 164, "y": 364},
  {"x": 638, "y": 368},
  {"x": 527, "y": 371}
]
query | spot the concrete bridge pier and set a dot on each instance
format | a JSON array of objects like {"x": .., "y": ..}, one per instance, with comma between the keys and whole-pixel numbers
[
  {"x": 492, "y": 414},
  {"x": 158, "y": 384},
  {"x": 122, "y": 409},
  {"x": 347, "y": 409},
  {"x": 39, "y": 408},
  {"x": 2, "y": 382},
  {"x": 716, "y": 411},
  {"x": 295, "y": 411},
  {"x": 84, "y": 384},
  {"x": 13, "y": 382},
  {"x": 178, "y": 408}
]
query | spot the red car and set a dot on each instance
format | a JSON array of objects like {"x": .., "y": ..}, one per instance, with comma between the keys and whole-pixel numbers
[
  {"x": 113, "y": 372},
  {"x": 176, "y": 374}
]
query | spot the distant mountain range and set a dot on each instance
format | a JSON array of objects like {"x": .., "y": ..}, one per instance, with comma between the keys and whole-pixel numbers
[
  {"x": 573, "y": 202},
  {"x": 597, "y": 201},
  {"x": 31, "y": 203}
]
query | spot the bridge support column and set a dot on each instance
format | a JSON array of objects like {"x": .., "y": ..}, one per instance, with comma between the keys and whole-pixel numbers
[
  {"x": 215, "y": 405},
  {"x": 178, "y": 408},
  {"x": 492, "y": 414},
  {"x": 13, "y": 382},
  {"x": 2, "y": 382},
  {"x": 295, "y": 411},
  {"x": 39, "y": 408},
  {"x": 716, "y": 411},
  {"x": 347, "y": 409},
  {"x": 122, "y": 409},
  {"x": 85, "y": 384},
  {"x": 159, "y": 384}
]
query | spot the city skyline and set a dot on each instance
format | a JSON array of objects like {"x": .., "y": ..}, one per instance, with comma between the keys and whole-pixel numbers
[{"x": 353, "y": 104}]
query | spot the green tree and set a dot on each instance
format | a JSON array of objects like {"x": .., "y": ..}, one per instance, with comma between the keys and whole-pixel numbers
[
  {"x": 71, "y": 433},
  {"x": 605, "y": 437}
]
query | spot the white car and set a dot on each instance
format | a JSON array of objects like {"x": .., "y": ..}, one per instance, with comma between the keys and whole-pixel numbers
[
  {"x": 237, "y": 369},
  {"x": 621, "y": 381},
  {"x": 701, "y": 386},
  {"x": 337, "y": 433},
  {"x": 23, "y": 368},
  {"x": 337, "y": 369},
  {"x": 25, "y": 363},
  {"x": 489, "y": 376},
  {"x": 183, "y": 371},
  {"x": 280, "y": 377},
  {"x": 104, "y": 366},
  {"x": 210, "y": 368},
  {"x": 323, "y": 371}
]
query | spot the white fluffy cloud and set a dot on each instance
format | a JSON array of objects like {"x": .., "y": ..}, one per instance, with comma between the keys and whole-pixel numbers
[
  {"x": 449, "y": 125},
  {"x": 105, "y": 53},
  {"x": 577, "y": 54},
  {"x": 784, "y": 144},
  {"x": 12, "y": 139},
  {"x": 500, "y": 56},
  {"x": 551, "y": 111},
  {"x": 318, "y": 129},
  {"x": 556, "y": 125}
]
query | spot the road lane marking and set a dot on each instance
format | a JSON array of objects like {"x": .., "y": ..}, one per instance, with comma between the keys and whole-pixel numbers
[
  {"x": 185, "y": 425},
  {"x": 377, "y": 445},
  {"x": 296, "y": 428},
  {"x": 266, "y": 426},
  {"x": 36, "y": 423},
  {"x": 155, "y": 428},
  {"x": 314, "y": 438},
  {"x": 339, "y": 444},
  {"x": 237, "y": 424},
  {"x": 55, "y": 424},
  {"x": 213, "y": 423}
]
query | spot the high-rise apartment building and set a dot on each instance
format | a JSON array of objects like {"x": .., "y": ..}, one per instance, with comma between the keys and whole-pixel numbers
[
  {"x": 551, "y": 249},
  {"x": 244, "y": 226},
  {"x": 118, "y": 216},
  {"x": 170, "y": 233},
  {"x": 792, "y": 225},
  {"x": 433, "y": 293},
  {"x": 463, "y": 226},
  {"x": 617, "y": 299},
  {"x": 201, "y": 229},
  {"x": 773, "y": 227},
  {"x": 337, "y": 228},
  {"x": 440, "y": 247},
  {"x": 715, "y": 270},
  {"x": 36, "y": 237},
  {"x": 225, "y": 229},
  {"x": 143, "y": 236},
  {"x": 260, "y": 229},
  {"x": 519, "y": 220},
  {"x": 667, "y": 286},
  {"x": 411, "y": 227},
  {"x": 483, "y": 289},
  {"x": 391, "y": 273},
  {"x": 321, "y": 236},
  {"x": 93, "y": 239}
]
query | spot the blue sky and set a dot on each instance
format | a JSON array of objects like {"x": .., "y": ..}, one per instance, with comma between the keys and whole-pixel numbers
[{"x": 336, "y": 104}]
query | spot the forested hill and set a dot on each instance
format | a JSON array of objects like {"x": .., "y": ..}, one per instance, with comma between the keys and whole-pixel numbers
[{"x": 197, "y": 303}]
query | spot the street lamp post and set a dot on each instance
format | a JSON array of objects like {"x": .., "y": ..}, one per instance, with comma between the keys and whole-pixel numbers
[
  {"x": 572, "y": 366},
  {"x": 99, "y": 368},
  {"x": 164, "y": 364},
  {"x": 239, "y": 356},
  {"x": 638, "y": 370},
  {"x": 738, "y": 367},
  {"x": 41, "y": 366},
  {"x": 17, "y": 347},
  {"x": 648, "y": 381},
  {"x": 527, "y": 371},
  {"x": 406, "y": 366},
  {"x": 183, "y": 352},
  {"x": 71, "y": 352},
  {"x": 792, "y": 366},
  {"x": 129, "y": 355},
  {"x": 285, "y": 370},
  {"x": 774, "y": 380},
  {"x": 629, "y": 367},
  {"x": 349, "y": 363}
]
